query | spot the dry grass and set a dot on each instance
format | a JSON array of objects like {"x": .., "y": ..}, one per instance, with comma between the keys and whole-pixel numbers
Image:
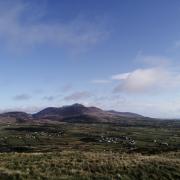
[{"x": 89, "y": 165}]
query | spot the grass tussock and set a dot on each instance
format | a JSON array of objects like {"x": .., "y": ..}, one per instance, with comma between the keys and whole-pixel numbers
[{"x": 89, "y": 165}]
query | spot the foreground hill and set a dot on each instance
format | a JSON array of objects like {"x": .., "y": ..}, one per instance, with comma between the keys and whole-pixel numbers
[{"x": 89, "y": 165}]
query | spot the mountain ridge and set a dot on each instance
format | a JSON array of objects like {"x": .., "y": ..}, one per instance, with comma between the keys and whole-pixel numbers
[{"x": 72, "y": 113}]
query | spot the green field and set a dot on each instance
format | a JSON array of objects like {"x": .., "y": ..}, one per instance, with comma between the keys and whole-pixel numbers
[{"x": 89, "y": 151}]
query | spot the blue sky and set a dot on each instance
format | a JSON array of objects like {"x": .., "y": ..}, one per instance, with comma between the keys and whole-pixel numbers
[{"x": 120, "y": 54}]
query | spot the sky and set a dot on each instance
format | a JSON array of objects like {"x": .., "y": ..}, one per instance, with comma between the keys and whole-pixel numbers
[{"x": 121, "y": 54}]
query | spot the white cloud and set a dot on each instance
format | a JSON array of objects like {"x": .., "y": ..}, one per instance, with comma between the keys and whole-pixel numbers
[
  {"x": 148, "y": 80},
  {"x": 156, "y": 75}
]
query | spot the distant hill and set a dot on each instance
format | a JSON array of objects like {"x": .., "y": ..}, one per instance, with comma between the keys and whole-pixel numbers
[
  {"x": 126, "y": 114},
  {"x": 72, "y": 113},
  {"x": 78, "y": 112},
  {"x": 16, "y": 114},
  {"x": 15, "y": 117},
  {"x": 67, "y": 111}
]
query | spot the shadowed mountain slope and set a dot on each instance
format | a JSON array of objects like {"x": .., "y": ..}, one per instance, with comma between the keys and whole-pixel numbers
[{"x": 73, "y": 113}]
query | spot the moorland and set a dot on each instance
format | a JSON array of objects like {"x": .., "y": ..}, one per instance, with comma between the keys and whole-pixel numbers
[{"x": 78, "y": 142}]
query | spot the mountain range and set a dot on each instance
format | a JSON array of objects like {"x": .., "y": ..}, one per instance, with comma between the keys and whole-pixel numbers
[{"x": 71, "y": 113}]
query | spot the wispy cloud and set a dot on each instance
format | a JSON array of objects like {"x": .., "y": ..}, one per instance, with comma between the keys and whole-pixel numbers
[
  {"x": 100, "y": 81},
  {"x": 177, "y": 44},
  {"x": 49, "y": 98},
  {"x": 21, "y": 31},
  {"x": 78, "y": 96},
  {"x": 22, "y": 97},
  {"x": 67, "y": 87},
  {"x": 152, "y": 60},
  {"x": 120, "y": 76}
]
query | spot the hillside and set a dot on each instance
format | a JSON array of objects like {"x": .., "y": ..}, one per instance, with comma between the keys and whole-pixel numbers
[{"x": 72, "y": 113}]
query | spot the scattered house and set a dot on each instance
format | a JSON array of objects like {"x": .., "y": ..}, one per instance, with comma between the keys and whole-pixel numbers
[
  {"x": 115, "y": 140},
  {"x": 132, "y": 142},
  {"x": 161, "y": 143},
  {"x": 164, "y": 144}
]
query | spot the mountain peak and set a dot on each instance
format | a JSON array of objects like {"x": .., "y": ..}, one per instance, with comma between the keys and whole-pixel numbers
[
  {"x": 74, "y": 113},
  {"x": 77, "y": 105}
]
